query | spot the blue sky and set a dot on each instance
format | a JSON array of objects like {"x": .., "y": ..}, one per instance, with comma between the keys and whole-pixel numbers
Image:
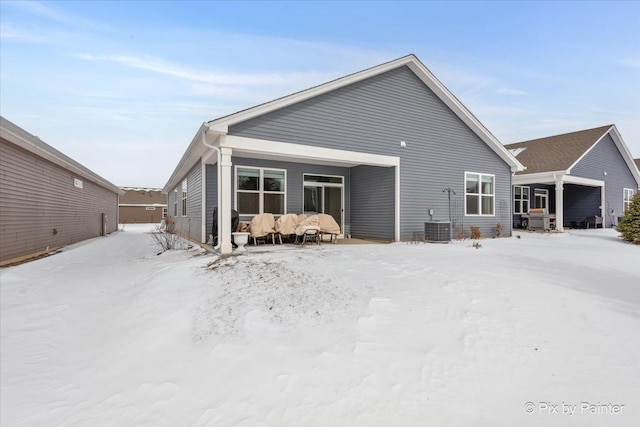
[{"x": 122, "y": 87}]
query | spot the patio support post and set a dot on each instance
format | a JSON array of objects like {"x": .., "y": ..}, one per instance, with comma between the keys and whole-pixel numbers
[
  {"x": 224, "y": 210},
  {"x": 559, "y": 205}
]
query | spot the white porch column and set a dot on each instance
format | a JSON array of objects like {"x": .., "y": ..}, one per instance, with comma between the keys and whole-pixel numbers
[
  {"x": 559, "y": 205},
  {"x": 224, "y": 210}
]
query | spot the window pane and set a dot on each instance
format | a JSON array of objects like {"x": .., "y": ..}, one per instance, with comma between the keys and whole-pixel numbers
[
  {"x": 487, "y": 185},
  {"x": 518, "y": 192},
  {"x": 525, "y": 206},
  {"x": 274, "y": 203},
  {"x": 248, "y": 203},
  {"x": 487, "y": 205},
  {"x": 248, "y": 179},
  {"x": 472, "y": 183},
  {"x": 273, "y": 180},
  {"x": 472, "y": 205}
]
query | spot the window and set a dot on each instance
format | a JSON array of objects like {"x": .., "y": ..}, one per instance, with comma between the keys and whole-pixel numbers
[
  {"x": 627, "y": 195},
  {"x": 175, "y": 201},
  {"x": 479, "y": 194},
  {"x": 260, "y": 190},
  {"x": 164, "y": 212},
  {"x": 520, "y": 199},
  {"x": 184, "y": 197},
  {"x": 540, "y": 197}
]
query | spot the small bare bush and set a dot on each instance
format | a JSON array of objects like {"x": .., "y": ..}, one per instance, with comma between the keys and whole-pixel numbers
[
  {"x": 475, "y": 232},
  {"x": 499, "y": 229},
  {"x": 459, "y": 232}
]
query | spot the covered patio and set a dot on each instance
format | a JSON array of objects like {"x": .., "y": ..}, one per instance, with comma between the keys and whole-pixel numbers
[{"x": 571, "y": 199}]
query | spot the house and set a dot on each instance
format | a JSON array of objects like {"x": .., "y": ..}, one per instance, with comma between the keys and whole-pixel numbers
[
  {"x": 47, "y": 199},
  {"x": 376, "y": 149},
  {"x": 575, "y": 176},
  {"x": 142, "y": 205}
]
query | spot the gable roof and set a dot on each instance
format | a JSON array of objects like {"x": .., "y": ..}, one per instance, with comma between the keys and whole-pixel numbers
[
  {"x": 560, "y": 153},
  {"x": 637, "y": 161},
  {"x": 414, "y": 64},
  {"x": 23, "y": 139},
  {"x": 221, "y": 125},
  {"x": 556, "y": 153}
]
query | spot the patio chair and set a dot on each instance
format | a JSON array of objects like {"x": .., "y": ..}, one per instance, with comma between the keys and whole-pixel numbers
[
  {"x": 329, "y": 226},
  {"x": 594, "y": 221},
  {"x": 308, "y": 229},
  {"x": 262, "y": 228},
  {"x": 286, "y": 226}
]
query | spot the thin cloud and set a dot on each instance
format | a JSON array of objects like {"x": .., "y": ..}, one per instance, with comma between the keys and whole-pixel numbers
[
  {"x": 48, "y": 12},
  {"x": 174, "y": 70},
  {"x": 512, "y": 92}
]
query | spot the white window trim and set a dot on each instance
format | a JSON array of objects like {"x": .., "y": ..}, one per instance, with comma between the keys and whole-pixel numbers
[
  {"x": 528, "y": 190},
  {"x": 261, "y": 192},
  {"x": 546, "y": 197},
  {"x": 627, "y": 195},
  {"x": 185, "y": 189},
  {"x": 480, "y": 175}
]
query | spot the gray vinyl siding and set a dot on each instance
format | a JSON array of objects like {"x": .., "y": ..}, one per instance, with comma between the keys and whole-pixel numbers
[
  {"x": 373, "y": 206},
  {"x": 605, "y": 157},
  {"x": 41, "y": 208},
  {"x": 190, "y": 225},
  {"x": 373, "y": 116},
  {"x": 212, "y": 194}
]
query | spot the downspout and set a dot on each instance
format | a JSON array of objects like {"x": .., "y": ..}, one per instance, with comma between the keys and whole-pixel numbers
[{"x": 204, "y": 141}]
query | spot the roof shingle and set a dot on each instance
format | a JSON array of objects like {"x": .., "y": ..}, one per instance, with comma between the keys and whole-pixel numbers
[{"x": 555, "y": 153}]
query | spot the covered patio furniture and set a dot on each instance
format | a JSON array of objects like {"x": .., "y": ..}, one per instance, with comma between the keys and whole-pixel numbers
[
  {"x": 329, "y": 226},
  {"x": 286, "y": 225},
  {"x": 262, "y": 228}
]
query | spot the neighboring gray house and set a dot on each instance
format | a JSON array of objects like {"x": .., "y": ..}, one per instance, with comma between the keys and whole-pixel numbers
[
  {"x": 575, "y": 176},
  {"x": 47, "y": 200},
  {"x": 375, "y": 149}
]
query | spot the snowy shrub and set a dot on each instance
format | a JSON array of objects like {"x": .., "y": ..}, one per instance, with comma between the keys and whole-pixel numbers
[
  {"x": 459, "y": 232},
  {"x": 475, "y": 232},
  {"x": 499, "y": 229},
  {"x": 170, "y": 225},
  {"x": 630, "y": 224}
]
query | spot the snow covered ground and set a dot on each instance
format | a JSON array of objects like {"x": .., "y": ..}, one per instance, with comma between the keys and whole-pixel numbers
[{"x": 542, "y": 330}]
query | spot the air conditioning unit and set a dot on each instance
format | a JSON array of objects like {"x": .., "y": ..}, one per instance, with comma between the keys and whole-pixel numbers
[{"x": 437, "y": 231}]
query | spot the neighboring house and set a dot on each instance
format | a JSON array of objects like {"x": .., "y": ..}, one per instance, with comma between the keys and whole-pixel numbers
[
  {"x": 142, "y": 205},
  {"x": 47, "y": 199},
  {"x": 375, "y": 149},
  {"x": 637, "y": 162},
  {"x": 575, "y": 175}
]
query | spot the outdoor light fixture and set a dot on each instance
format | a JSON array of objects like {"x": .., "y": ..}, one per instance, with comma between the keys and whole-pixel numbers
[{"x": 403, "y": 144}]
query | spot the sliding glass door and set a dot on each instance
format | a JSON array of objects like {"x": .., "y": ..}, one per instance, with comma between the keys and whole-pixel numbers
[{"x": 324, "y": 194}]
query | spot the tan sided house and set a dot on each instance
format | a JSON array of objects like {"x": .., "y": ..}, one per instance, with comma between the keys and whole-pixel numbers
[
  {"x": 48, "y": 200},
  {"x": 142, "y": 205}
]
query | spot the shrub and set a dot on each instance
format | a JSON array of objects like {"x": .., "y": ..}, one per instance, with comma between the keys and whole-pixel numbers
[
  {"x": 630, "y": 224},
  {"x": 499, "y": 229},
  {"x": 475, "y": 232},
  {"x": 459, "y": 232}
]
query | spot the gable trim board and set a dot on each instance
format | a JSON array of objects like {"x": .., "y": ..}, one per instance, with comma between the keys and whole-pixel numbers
[{"x": 215, "y": 135}]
